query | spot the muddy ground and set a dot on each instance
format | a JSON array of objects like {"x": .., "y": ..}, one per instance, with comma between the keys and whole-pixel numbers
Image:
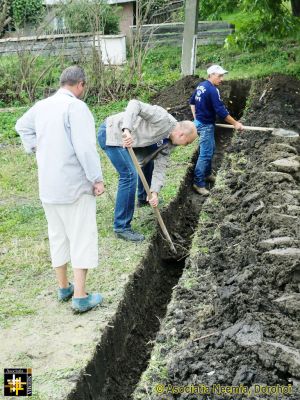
[
  {"x": 234, "y": 315},
  {"x": 125, "y": 347}
]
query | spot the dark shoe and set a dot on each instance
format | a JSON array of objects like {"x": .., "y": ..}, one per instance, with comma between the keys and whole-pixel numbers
[
  {"x": 201, "y": 190},
  {"x": 130, "y": 236},
  {"x": 142, "y": 203},
  {"x": 83, "y": 304},
  {"x": 211, "y": 179},
  {"x": 66, "y": 293}
]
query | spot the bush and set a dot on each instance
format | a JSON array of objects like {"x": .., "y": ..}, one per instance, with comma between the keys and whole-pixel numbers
[
  {"x": 27, "y": 11},
  {"x": 212, "y": 9},
  {"x": 259, "y": 22},
  {"x": 91, "y": 16},
  {"x": 272, "y": 17},
  {"x": 25, "y": 78}
]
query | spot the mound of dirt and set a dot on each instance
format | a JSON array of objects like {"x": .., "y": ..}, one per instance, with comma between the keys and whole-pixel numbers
[
  {"x": 276, "y": 102},
  {"x": 175, "y": 98},
  {"x": 178, "y": 93},
  {"x": 234, "y": 318}
]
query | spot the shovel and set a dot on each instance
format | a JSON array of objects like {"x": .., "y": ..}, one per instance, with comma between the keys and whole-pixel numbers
[
  {"x": 149, "y": 194},
  {"x": 274, "y": 131}
]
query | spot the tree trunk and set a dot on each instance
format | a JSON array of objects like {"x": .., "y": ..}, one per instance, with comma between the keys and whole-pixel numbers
[
  {"x": 4, "y": 18},
  {"x": 296, "y": 7}
]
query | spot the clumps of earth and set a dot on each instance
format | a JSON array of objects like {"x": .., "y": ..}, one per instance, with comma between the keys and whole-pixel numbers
[{"x": 234, "y": 316}]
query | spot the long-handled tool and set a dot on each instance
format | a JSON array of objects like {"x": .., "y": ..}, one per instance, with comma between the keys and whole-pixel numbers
[
  {"x": 149, "y": 194},
  {"x": 275, "y": 131}
]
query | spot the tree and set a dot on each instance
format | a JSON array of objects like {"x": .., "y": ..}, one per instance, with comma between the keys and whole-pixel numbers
[
  {"x": 26, "y": 11},
  {"x": 91, "y": 16},
  {"x": 4, "y": 15},
  {"x": 296, "y": 7},
  {"x": 211, "y": 9},
  {"x": 272, "y": 16}
]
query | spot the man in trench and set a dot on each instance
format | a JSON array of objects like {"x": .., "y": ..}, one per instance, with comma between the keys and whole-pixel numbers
[
  {"x": 152, "y": 132},
  {"x": 205, "y": 104},
  {"x": 61, "y": 131}
]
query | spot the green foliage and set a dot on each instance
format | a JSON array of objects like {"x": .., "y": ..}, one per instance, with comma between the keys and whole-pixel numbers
[
  {"x": 279, "y": 56},
  {"x": 272, "y": 17},
  {"x": 212, "y": 9},
  {"x": 26, "y": 77},
  {"x": 102, "y": 112},
  {"x": 91, "y": 16},
  {"x": 27, "y": 11},
  {"x": 259, "y": 22},
  {"x": 4, "y": 15},
  {"x": 152, "y": 6},
  {"x": 162, "y": 66},
  {"x": 7, "y": 123}
]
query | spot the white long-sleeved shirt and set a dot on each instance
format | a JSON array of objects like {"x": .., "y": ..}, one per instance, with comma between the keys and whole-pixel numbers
[{"x": 61, "y": 129}]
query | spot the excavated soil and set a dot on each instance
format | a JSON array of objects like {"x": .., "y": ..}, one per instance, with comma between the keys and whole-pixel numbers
[
  {"x": 234, "y": 316},
  {"x": 125, "y": 347},
  {"x": 175, "y": 98}
]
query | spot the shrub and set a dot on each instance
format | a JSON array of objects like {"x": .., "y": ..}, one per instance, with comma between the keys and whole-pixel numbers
[
  {"x": 27, "y": 11},
  {"x": 212, "y": 9},
  {"x": 91, "y": 16}
]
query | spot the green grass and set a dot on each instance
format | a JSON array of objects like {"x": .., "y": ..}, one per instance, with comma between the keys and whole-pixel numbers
[
  {"x": 162, "y": 65},
  {"x": 280, "y": 56}
]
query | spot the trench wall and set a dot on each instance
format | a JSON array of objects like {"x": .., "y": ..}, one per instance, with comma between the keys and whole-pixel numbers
[
  {"x": 123, "y": 352},
  {"x": 234, "y": 315}
]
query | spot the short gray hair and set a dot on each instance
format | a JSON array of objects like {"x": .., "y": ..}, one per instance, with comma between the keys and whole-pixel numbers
[
  {"x": 188, "y": 127},
  {"x": 72, "y": 75}
]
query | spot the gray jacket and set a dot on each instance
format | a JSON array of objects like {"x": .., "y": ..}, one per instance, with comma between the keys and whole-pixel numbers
[{"x": 148, "y": 125}]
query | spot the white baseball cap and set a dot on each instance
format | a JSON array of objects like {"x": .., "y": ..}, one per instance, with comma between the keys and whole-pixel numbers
[{"x": 216, "y": 69}]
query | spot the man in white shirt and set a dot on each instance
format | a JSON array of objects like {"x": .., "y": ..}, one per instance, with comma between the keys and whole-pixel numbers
[{"x": 61, "y": 131}]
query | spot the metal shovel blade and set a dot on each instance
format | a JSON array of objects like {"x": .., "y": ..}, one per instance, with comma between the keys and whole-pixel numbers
[{"x": 284, "y": 133}]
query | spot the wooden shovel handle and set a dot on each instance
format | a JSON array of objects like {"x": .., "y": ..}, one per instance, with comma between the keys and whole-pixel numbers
[
  {"x": 247, "y": 128},
  {"x": 149, "y": 194}
]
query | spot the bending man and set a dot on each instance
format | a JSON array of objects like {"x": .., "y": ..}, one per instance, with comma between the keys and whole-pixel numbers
[{"x": 141, "y": 126}]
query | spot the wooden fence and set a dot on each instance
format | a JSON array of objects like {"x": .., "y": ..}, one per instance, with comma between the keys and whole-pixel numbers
[
  {"x": 164, "y": 14},
  {"x": 171, "y": 34}
]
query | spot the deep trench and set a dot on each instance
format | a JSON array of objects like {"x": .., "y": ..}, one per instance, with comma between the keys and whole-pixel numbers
[{"x": 125, "y": 347}]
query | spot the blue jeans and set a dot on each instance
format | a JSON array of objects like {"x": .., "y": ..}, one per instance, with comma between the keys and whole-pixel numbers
[
  {"x": 206, "y": 152},
  {"x": 121, "y": 160}
]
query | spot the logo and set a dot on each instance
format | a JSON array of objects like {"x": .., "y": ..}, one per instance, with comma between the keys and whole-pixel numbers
[
  {"x": 199, "y": 91},
  {"x": 17, "y": 382}
]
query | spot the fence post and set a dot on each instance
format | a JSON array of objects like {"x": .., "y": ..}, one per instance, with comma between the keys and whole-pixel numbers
[{"x": 189, "y": 44}]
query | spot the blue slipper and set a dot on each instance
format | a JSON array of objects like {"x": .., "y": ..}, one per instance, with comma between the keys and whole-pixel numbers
[
  {"x": 83, "y": 304},
  {"x": 66, "y": 293}
]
